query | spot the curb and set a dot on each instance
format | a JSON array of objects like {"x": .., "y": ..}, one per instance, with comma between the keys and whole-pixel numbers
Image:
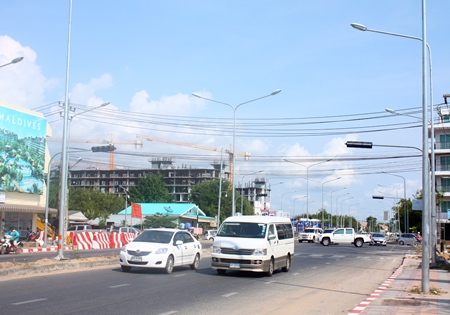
[
  {"x": 376, "y": 294},
  {"x": 56, "y": 266}
]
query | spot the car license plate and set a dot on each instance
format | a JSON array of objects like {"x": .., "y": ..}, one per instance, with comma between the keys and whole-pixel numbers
[
  {"x": 235, "y": 265},
  {"x": 136, "y": 258}
]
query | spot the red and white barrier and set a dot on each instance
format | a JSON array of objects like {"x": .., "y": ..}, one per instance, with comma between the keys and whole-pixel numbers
[
  {"x": 83, "y": 240},
  {"x": 100, "y": 241},
  {"x": 40, "y": 238},
  {"x": 115, "y": 240}
]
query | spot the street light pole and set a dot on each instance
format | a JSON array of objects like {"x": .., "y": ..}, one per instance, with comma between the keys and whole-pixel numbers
[
  {"x": 242, "y": 189},
  {"x": 126, "y": 203},
  {"x": 425, "y": 167},
  {"x": 342, "y": 214},
  {"x": 350, "y": 223},
  {"x": 15, "y": 60},
  {"x": 323, "y": 227},
  {"x": 234, "y": 108},
  {"x": 307, "y": 177},
  {"x": 64, "y": 161},
  {"x": 281, "y": 199},
  {"x": 331, "y": 206}
]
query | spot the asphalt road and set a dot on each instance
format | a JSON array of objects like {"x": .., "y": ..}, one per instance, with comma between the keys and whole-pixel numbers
[{"x": 322, "y": 280}]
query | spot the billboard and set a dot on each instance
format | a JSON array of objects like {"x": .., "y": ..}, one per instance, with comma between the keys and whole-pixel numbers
[{"x": 22, "y": 151}]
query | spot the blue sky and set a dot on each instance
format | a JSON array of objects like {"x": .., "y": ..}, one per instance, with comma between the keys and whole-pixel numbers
[{"x": 147, "y": 57}]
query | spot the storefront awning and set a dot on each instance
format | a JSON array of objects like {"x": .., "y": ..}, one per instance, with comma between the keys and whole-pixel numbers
[{"x": 26, "y": 209}]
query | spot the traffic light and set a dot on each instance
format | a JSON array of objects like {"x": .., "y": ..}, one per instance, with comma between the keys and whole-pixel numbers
[
  {"x": 359, "y": 144},
  {"x": 104, "y": 148}
]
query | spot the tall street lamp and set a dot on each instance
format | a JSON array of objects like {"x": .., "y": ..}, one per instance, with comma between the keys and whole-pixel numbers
[
  {"x": 15, "y": 60},
  {"x": 242, "y": 189},
  {"x": 306, "y": 205},
  {"x": 307, "y": 177},
  {"x": 331, "y": 206},
  {"x": 293, "y": 205},
  {"x": 233, "y": 206},
  {"x": 337, "y": 208},
  {"x": 323, "y": 227},
  {"x": 64, "y": 160},
  {"x": 405, "y": 209},
  {"x": 125, "y": 190},
  {"x": 350, "y": 223},
  {"x": 342, "y": 214},
  {"x": 425, "y": 169},
  {"x": 281, "y": 199}
]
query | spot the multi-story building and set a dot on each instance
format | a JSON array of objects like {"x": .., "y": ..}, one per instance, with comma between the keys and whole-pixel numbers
[
  {"x": 178, "y": 180},
  {"x": 442, "y": 172}
]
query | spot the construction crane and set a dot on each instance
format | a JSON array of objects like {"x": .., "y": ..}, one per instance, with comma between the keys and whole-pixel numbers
[
  {"x": 137, "y": 144},
  {"x": 246, "y": 155}
]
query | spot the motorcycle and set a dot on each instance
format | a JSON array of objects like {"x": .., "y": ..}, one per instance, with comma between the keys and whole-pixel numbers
[{"x": 7, "y": 248}]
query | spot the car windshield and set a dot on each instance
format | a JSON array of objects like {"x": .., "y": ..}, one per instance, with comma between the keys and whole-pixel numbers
[
  {"x": 309, "y": 230},
  {"x": 378, "y": 235},
  {"x": 240, "y": 229},
  {"x": 154, "y": 236}
]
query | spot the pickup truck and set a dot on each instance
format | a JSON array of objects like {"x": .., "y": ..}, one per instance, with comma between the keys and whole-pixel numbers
[{"x": 345, "y": 236}]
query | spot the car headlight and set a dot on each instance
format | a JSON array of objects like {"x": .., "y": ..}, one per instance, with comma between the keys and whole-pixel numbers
[
  {"x": 162, "y": 250},
  {"x": 260, "y": 251},
  {"x": 216, "y": 250}
]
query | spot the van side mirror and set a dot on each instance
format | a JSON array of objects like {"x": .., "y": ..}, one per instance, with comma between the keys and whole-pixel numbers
[{"x": 272, "y": 237}]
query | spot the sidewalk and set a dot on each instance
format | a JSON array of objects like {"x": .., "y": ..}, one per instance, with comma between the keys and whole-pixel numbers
[{"x": 401, "y": 293}]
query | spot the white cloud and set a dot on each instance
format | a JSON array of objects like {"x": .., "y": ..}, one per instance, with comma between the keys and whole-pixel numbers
[{"x": 21, "y": 84}]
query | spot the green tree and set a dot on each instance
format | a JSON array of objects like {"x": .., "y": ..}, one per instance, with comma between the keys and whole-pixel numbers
[
  {"x": 159, "y": 220},
  {"x": 208, "y": 199},
  {"x": 150, "y": 189}
]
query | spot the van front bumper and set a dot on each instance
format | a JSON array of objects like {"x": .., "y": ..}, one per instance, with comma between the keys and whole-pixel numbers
[{"x": 257, "y": 264}]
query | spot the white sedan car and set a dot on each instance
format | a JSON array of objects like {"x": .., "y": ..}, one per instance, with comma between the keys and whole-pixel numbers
[{"x": 161, "y": 248}]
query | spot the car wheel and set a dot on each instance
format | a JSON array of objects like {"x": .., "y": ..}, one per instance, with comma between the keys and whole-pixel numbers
[
  {"x": 271, "y": 268},
  {"x": 288, "y": 264},
  {"x": 370, "y": 244},
  {"x": 196, "y": 262},
  {"x": 359, "y": 242},
  {"x": 401, "y": 243},
  {"x": 326, "y": 242},
  {"x": 169, "y": 264},
  {"x": 300, "y": 241},
  {"x": 211, "y": 238},
  {"x": 221, "y": 271},
  {"x": 126, "y": 268}
]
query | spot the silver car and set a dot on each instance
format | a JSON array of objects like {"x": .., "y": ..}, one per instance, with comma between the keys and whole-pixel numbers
[
  {"x": 378, "y": 238},
  {"x": 407, "y": 239}
]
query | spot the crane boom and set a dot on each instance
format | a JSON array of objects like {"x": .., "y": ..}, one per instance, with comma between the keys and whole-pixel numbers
[
  {"x": 137, "y": 143},
  {"x": 186, "y": 144}
]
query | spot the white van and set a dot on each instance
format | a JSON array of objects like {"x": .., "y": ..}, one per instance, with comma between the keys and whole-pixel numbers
[{"x": 253, "y": 243}]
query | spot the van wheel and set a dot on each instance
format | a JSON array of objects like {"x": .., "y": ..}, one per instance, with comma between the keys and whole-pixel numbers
[
  {"x": 271, "y": 268},
  {"x": 288, "y": 264},
  {"x": 126, "y": 268},
  {"x": 196, "y": 262},
  {"x": 221, "y": 271},
  {"x": 169, "y": 264}
]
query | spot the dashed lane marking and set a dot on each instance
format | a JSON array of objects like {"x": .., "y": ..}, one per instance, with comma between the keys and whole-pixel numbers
[
  {"x": 229, "y": 294},
  {"x": 29, "y": 301},
  {"x": 118, "y": 286}
]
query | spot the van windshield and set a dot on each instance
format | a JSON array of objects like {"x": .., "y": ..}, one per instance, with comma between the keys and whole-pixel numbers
[{"x": 241, "y": 229}]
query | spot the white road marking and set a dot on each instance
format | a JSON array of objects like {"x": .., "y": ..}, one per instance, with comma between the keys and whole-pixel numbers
[
  {"x": 118, "y": 286},
  {"x": 269, "y": 282},
  {"x": 296, "y": 274},
  {"x": 229, "y": 294},
  {"x": 168, "y": 313},
  {"x": 179, "y": 275},
  {"x": 29, "y": 301}
]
